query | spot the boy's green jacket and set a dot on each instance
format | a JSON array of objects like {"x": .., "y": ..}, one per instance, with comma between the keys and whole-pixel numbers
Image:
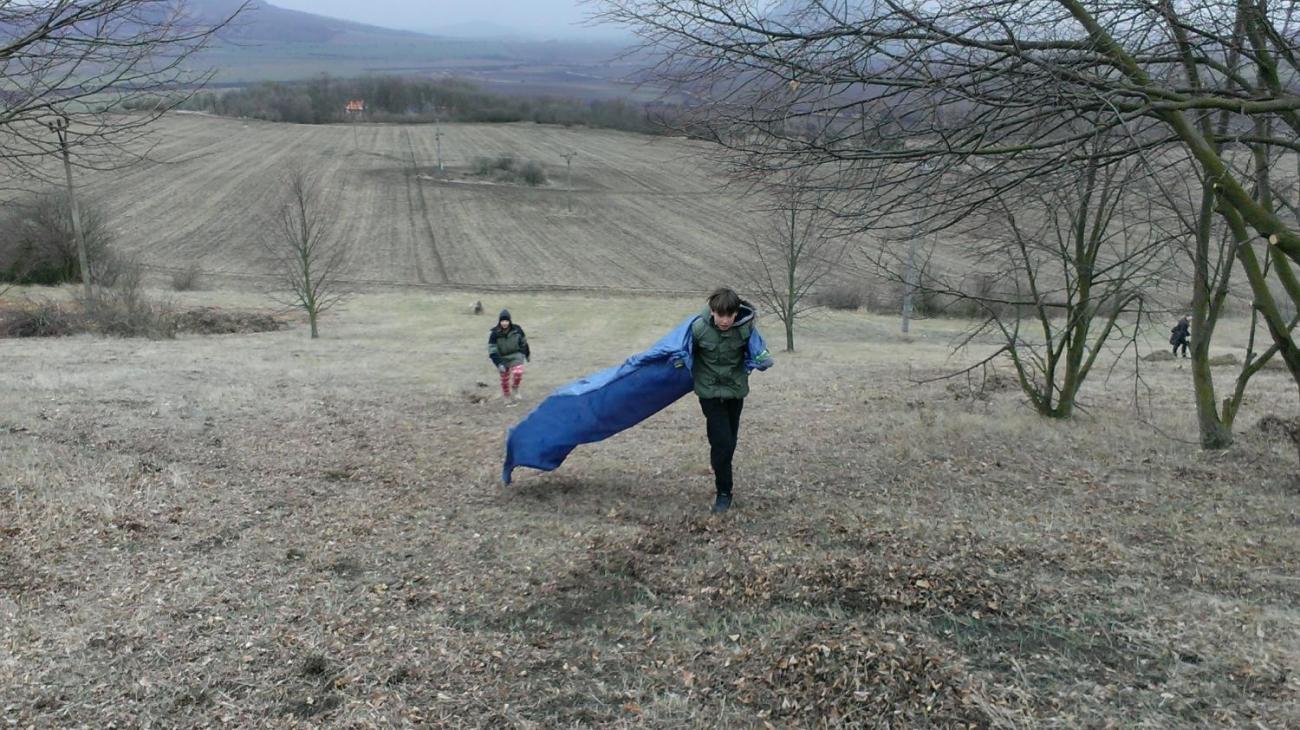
[{"x": 721, "y": 368}]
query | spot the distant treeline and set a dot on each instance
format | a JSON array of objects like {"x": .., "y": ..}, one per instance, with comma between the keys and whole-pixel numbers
[{"x": 397, "y": 99}]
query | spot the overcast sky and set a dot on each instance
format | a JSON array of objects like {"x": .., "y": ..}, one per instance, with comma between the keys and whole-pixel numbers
[{"x": 536, "y": 18}]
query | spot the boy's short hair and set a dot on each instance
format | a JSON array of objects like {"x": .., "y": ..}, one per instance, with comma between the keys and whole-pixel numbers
[{"x": 724, "y": 301}]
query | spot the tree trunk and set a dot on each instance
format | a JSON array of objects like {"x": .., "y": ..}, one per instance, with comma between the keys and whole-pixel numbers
[
  {"x": 311, "y": 315},
  {"x": 1214, "y": 433}
]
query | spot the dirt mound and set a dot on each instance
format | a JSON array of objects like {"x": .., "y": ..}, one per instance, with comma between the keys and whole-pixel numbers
[
  {"x": 1277, "y": 428},
  {"x": 216, "y": 321},
  {"x": 1225, "y": 360}
]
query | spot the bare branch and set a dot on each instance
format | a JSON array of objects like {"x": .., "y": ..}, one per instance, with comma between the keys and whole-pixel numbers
[{"x": 112, "y": 67}]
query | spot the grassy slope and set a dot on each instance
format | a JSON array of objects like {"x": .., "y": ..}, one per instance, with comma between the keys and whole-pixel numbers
[{"x": 257, "y": 528}]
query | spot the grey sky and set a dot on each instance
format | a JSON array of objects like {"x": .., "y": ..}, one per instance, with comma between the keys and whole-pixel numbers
[{"x": 540, "y": 18}]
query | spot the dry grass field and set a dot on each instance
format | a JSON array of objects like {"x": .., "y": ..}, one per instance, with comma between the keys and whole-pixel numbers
[
  {"x": 267, "y": 531},
  {"x": 643, "y": 213}
]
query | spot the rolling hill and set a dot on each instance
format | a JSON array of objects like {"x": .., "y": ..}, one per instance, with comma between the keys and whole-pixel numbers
[{"x": 643, "y": 213}]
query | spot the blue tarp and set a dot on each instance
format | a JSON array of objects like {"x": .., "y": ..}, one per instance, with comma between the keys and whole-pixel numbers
[{"x": 615, "y": 399}]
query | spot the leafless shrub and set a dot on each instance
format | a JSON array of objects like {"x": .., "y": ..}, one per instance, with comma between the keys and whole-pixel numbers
[
  {"x": 533, "y": 173},
  {"x": 841, "y": 296},
  {"x": 121, "y": 311},
  {"x": 187, "y": 279},
  {"x": 125, "y": 310},
  {"x": 37, "y": 244},
  {"x": 38, "y": 319},
  {"x": 111, "y": 270}
]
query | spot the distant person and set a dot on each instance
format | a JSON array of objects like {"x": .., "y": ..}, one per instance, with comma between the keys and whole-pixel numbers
[
  {"x": 1180, "y": 334},
  {"x": 508, "y": 348},
  {"x": 722, "y": 360}
]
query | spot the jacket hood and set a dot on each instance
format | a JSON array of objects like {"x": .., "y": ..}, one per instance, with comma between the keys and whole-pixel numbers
[
  {"x": 505, "y": 314},
  {"x": 746, "y": 314}
]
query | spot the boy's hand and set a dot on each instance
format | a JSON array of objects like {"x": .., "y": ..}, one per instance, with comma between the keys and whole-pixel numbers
[{"x": 501, "y": 368}]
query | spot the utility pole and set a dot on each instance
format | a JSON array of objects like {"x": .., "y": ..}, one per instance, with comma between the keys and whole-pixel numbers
[
  {"x": 568, "y": 174},
  {"x": 59, "y": 126},
  {"x": 437, "y": 133},
  {"x": 909, "y": 282},
  {"x": 911, "y": 279}
]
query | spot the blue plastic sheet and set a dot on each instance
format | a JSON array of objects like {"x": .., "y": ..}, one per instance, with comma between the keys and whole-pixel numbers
[{"x": 600, "y": 405}]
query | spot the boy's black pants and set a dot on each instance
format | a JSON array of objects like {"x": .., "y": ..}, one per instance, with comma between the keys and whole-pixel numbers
[{"x": 722, "y": 416}]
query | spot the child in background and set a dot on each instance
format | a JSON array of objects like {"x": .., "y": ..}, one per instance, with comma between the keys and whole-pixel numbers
[{"x": 508, "y": 348}]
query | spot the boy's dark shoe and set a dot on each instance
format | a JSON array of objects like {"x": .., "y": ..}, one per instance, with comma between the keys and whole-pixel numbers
[{"x": 721, "y": 504}]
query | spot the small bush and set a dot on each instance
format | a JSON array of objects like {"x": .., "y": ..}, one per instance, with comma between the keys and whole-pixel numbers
[
  {"x": 533, "y": 173},
  {"x": 979, "y": 289},
  {"x": 124, "y": 310},
  {"x": 884, "y": 299},
  {"x": 505, "y": 169},
  {"x": 841, "y": 296},
  {"x": 110, "y": 270},
  {"x": 39, "y": 319},
  {"x": 121, "y": 314},
  {"x": 37, "y": 244},
  {"x": 187, "y": 279},
  {"x": 116, "y": 315}
]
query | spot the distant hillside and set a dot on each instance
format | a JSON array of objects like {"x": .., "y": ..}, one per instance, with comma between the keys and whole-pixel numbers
[
  {"x": 270, "y": 43},
  {"x": 263, "y": 22}
]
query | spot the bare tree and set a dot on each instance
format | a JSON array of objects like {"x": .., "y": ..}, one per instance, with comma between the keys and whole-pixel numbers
[
  {"x": 885, "y": 82},
  {"x": 792, "y": 254},
  {"x": 1002, "y": 91},
  {"x": 306, "y": 262},
  {"x": 1057, "y": 269},
  {"x": 109, "y": 67}
]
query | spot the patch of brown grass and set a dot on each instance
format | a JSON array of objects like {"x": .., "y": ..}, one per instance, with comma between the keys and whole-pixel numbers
[{"x": 261, "y": 530}]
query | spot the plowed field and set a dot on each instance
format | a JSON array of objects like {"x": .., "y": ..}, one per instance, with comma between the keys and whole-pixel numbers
[{"x": 641, "y": 213}]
